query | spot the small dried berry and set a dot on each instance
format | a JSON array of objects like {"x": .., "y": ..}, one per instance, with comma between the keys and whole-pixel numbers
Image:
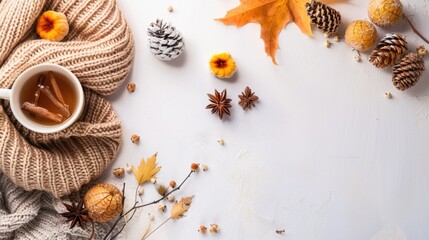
[
  {"x": 204, "y": 167},
  {"x": 327, "y": 44},
  {"x": 131, "y": 87},
  {"x": 135, "y": 138},
  {"x": 140, "y": 191},
  {"x": 194, "y": 167},
  {"x": 202, "y": 229},
  {"x": 150, "y": 216},
  {"x": 170, "y": 8},
  {"x": 153, "y": 180},
  {"x": 170, "y": 198},
  {"x": 162, "y": 207},
  {"x": 221, "y": 141},
  {"x": 214, "y": 228},
  {"x": 356, "y": 58},
  {"x": 388, "y": 94},
  {"x": 172, "y": 184},
  {"x": 118, "y": 172},
  {"x": 129, "y": 169}
]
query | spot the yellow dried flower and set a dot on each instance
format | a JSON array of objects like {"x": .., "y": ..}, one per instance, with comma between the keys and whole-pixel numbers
[
  {"x": 385, "y": 13},
  {"x": 222, "y": 65},
  {"x": 52, "y": 26},
  {"x": 361, "y": 35}
]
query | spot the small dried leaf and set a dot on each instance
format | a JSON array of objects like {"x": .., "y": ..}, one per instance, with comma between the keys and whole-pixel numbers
[
  {"x": 181, "y": 207},
  {"x": 146, "y": 170}
]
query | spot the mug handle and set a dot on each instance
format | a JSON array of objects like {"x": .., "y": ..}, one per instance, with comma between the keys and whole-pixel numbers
[{"x": 5, "y": 93}]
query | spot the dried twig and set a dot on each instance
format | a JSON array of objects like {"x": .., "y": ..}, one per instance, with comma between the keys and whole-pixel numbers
[
  {"x": 156, "y": 228},
  {"x": 61, "y": 107},
  {"x": 415, "y": 30},
  {"x": 136, "y": 206},
  {"x": 41, "y": 112}
]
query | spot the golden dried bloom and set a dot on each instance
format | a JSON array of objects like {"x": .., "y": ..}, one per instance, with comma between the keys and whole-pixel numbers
[
  {"x": 222, "y": 65},
  {"x": 385, "y": 13},
  {"x": 361, "y": 35}
]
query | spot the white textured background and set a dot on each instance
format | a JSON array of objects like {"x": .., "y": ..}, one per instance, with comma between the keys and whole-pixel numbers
[{"x": 324, "y": 155}]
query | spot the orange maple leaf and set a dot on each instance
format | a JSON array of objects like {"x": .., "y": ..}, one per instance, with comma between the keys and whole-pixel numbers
[{"x": 273, "y": 16}]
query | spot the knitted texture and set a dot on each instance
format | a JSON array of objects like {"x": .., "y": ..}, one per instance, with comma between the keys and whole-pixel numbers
[
  {"x": 33, "y": 215},
  {"x": 99, "y": 51}
]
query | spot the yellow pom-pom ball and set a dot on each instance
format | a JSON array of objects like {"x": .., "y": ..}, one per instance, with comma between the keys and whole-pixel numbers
[
  {"x": 361, "y": 35},
  {"x": 385, "y": 13},
  {"x": 222, "y": 65},
  {"x": 52, "y": 26}
]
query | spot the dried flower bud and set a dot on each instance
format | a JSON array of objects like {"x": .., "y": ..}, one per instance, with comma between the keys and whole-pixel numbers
[
  {"x": 388, "y": 94},
  {"x": 150, "y": 216},
  {"x": 214, "y": 228},
  {"x": 221, "y": 141},
  {"x": 135, "y": 138},
  {"x": 170, "y": 8},
  {"x": 170, "y": 198},
  {"x": 202, "y": 229},
  {"x": 204, "y": 167},
  {"x": 153, "y": 180},
  {"x": 421, "y": 51},
  {"x": 162, "y": 190},
  {"x": 194, "y": 167},
  {"x": 172, "y": 184},
  {"x": 162, "y": 207},
  {"x": 129, "y": 169},
  {"x": 327, "y": 44},
  {"x": 140, "y": 191},
  {"x": 131, "y": 87},
  {"x": 118, "y": 172},
  {"x": 337, "y": 38}
]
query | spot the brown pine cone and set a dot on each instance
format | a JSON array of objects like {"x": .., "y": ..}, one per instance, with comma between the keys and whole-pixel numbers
[
  {"x": 326, "y": 18},
  {"x": 407, "y": 72},
  {"x": 389, "y": 50}
]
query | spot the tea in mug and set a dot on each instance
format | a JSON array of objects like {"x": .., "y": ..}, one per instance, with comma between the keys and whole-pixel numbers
[{"x": 48, "y": 98}]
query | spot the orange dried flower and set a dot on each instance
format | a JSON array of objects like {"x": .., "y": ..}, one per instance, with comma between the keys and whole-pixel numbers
[
  {"x": 222, "y": 65},
  {"x": 52, "y": 26}
]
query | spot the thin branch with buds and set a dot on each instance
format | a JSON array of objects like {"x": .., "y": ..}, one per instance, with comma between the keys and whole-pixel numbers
[{"x": 136, "y": 206}]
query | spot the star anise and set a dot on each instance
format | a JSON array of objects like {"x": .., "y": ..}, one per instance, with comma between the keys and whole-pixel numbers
[
  {"x": 76, "y": 214},
  {"x": 247, "y": 99},
  {"x": 220, "y": 103}
]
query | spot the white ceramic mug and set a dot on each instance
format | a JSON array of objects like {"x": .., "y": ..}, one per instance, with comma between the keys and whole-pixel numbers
[{"x": 13, "y": 95}]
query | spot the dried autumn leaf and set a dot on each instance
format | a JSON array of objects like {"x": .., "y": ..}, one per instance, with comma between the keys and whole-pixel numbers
[
  {"x": 181, "y": 207},
  {"x": 273, "y": 16},
  {"x": 146, "y": 170}
]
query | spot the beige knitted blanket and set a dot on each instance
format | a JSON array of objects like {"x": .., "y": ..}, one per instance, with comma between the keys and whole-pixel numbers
[{"x": 99, "y": 51}]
